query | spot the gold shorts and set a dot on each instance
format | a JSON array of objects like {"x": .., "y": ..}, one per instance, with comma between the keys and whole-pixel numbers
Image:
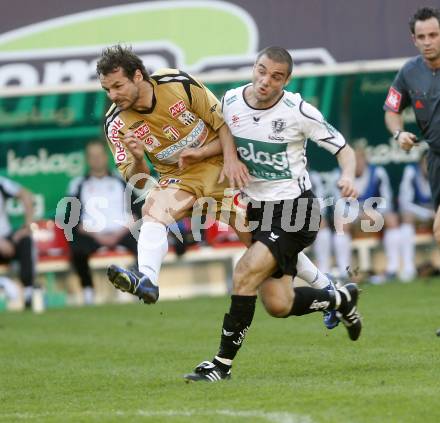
[{"x": 201, "y": 180}]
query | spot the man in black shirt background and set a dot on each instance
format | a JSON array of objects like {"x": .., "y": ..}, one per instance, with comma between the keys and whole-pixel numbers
[{"x": 418, "y": 85}]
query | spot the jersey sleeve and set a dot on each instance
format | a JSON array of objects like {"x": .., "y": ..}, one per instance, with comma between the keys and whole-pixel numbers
[
  {"x": 317, "y": 129},
  {"x": 398, "y": 97},
  {"x": 9, "y": 188},
  {"x": 206, "y": 105},
  {"x": 113, "y": 130}
]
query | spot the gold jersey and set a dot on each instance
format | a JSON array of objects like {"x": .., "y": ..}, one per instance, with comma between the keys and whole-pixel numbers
[{"x": 184, "y": 114}]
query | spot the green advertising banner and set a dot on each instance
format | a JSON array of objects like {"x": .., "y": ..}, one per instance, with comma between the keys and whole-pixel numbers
[{"x": 42, "y": 137}]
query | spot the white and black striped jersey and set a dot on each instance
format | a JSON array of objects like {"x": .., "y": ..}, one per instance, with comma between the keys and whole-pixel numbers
[
  {"x": 8, "y": 189},
  {"x": 272, "y": 142}
]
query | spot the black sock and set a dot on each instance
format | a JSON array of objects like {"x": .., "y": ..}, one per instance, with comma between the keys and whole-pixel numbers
[
  {"x": 308, "y": 300},
  {"x": 235, "y": 325}
]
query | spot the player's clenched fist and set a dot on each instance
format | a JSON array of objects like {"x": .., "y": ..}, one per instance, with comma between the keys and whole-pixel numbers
[
  {"x": 133, "y": 144},
  {"x": 346, "y": 185}
]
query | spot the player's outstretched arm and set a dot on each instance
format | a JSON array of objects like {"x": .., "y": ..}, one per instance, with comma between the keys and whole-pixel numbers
[
  {"x": 347, "y": 162},
  {"x": 233, "y": 169},
  {"x": 190, "y": 156}
]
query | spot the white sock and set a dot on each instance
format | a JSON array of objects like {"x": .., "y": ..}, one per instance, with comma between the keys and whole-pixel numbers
[
  {"x": 152, "y": 248},
  {"x": 89, "y": 295},
  {"x": 391, "y": 243},
  {"x": 322, "y": 248},
  {"x": 407, "y": 249},
  {"x": 37, "y": 300},
  {"x": 224, "y": 360},
  {"x": 342, "y": 244},
  {"x": 28, "y": 291},
  {"x": 308, "y": 272}
]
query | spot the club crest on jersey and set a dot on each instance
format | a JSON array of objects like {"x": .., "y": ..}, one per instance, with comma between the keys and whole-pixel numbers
[
  {"x": 151, "y": 142},
  {"x": 142, "y": 131},
  {"x": 278, "y": 125},
  {"x": 393, "y": 99},
  {"x": 171, "y": 132},
  {"x": 187, "y": 118},
  {"x": 235, "y": 120},
  {"x": 177, "y": 108}
]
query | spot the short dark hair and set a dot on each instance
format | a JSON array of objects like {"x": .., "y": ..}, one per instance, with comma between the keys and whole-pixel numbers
[
  {"x": 117, "y": 56},
  {"x": 279, "y": 55},
  {"x": 423, "y": 14}
]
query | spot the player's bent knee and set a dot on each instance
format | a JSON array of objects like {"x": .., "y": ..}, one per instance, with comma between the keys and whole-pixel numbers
[
  {"x": 277, "y": 308},
  {"x": 149, "y": 215}
]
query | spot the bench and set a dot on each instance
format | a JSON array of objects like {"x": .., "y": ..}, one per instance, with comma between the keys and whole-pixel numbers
[{"x": 364, "y": 248}]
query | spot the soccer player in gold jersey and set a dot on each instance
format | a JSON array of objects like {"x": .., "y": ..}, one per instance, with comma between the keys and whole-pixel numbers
[{"x": 162, "y": 115}]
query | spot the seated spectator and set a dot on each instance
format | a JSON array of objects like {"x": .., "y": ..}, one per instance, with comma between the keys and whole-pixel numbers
[
  {"x": 104, "y": 216},
  {"x": 18, "y": 245},
  {"x": 416, "y": 209},
  {"x": 371, "y": 182}
]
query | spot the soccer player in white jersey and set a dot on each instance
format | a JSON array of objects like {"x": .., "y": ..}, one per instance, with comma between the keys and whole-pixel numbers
[{"x": 270, "y": 127}]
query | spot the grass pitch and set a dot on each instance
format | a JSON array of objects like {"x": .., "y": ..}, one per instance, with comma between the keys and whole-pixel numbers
[{"x": 124, "y": 363}]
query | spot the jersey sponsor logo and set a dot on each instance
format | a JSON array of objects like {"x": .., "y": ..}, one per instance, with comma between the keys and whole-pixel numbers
[
  {"x": 187, "y": 118},
  {"x": 142, "y": 131},
  {"x": 168, "y": 181},
  {"x": 278, "y": 125},
  {"x": 193, "y": 140},
  {"x": 151, "y": 142},
  {"x": 171, "y": 132},
  {"x": 276, "y": 137},
  {"x": 177, "y": 108},
  {"x": 393, "y": 99},
  {"x": 113, "y": 134},
  {"x": 263, "y": 159},
  {"x": 230, "y": 100}
]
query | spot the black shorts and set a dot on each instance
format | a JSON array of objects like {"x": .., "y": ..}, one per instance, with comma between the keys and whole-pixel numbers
[
  {"x": 286, "y": 233},
  {"x": 434, "y": 177}
]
